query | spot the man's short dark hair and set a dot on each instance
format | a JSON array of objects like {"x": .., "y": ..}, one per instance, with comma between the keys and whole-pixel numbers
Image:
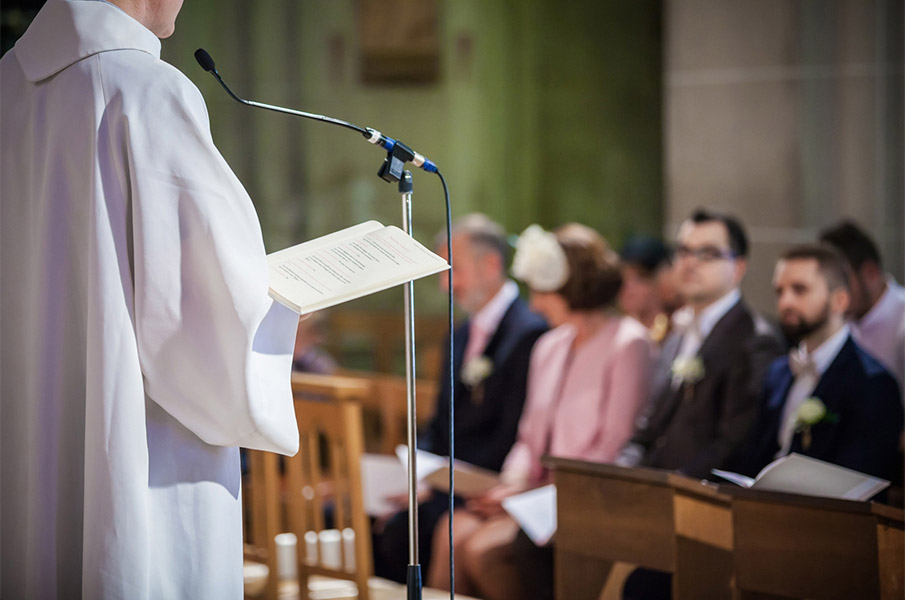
[
  {"x": 645, "y": 253},
  {"x": 738, "y": 240},
  {"x": 855, "y": 245},
  {"x": 830, "y": 262}
]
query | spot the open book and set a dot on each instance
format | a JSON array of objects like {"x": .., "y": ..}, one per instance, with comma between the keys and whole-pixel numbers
[
  {"x": 471, "y": 480},
  {"x": 798, "y": 474},
  {"x": 348, "y": 264}
]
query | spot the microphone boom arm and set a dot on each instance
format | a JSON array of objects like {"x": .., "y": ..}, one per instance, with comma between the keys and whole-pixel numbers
[{"x": 397, "y": 153}]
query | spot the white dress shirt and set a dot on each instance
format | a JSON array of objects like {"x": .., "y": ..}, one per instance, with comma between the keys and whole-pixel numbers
[
  {"x": 881, "y": 332},
  {"x": 819, "y": 361},
  {"x": 698, "y": 326}
]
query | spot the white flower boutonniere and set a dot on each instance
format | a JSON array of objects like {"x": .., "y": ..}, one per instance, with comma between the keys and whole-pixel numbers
[
  {"x": 687, "y": 369},
  {"x": 476, "y": 370},
  {"x": 811, "y": 412}
]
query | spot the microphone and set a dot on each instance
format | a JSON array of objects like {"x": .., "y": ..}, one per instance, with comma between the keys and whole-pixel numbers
[
  {"x": 397, "y": 153},
  {"x": 204, "y": 59}
]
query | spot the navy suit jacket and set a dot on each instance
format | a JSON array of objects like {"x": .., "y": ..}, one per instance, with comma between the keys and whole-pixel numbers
[
  {"x": 865, "y": 400},
  {"x": 486, "y": 427}
]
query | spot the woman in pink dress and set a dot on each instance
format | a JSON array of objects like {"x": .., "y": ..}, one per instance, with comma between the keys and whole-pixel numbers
[{"x": 586, "y": 384}]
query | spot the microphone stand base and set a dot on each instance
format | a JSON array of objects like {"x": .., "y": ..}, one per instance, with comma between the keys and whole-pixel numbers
[{"x": 413, "y": 582}]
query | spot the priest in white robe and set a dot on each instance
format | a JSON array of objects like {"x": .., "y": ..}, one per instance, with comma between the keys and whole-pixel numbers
[{"x": 139, "y": 346}]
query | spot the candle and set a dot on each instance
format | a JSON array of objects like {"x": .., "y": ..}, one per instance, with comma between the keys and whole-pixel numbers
[
  {"x": 349, "y": 549},
  {"x": 310, "y": 548},
  {"x": 331, "y": 552},
  {"x": 287, "y": 555}
]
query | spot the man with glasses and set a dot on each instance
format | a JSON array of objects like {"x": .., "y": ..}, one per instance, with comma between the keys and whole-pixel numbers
[{"x": 707, "y": 380}]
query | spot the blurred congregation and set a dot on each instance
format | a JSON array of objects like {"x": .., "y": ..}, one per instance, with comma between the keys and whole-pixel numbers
[
  {"x": 649, "y": 356},
  {"x": 722, "y": 242},
  {"x": 677, "y": 246}
]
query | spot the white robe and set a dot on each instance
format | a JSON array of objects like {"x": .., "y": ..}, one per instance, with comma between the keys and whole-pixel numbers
[{"x": 139, "y": 346}]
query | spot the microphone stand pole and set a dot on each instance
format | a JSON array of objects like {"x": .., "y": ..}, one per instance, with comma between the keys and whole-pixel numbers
[{"x": 413, "y": 573}]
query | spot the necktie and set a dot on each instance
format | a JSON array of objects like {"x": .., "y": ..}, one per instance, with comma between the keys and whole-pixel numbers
[
  {"x": 477, "y": 341},
  {"x": 805, "y": 371},
  {"x": 801, "y": 363},
  {"x": 688, "y": 326}
]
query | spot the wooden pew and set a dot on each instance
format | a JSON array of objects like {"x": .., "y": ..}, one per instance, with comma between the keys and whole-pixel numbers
[
  {"x": 646, "y": 517},
  {"x": 790, "y": 546},
  {"x": 326, "y": 474},
  {"x": 389, "y": 400},
  {"x": 705, "y": 540},
  {"x": 383, "y": 401}
]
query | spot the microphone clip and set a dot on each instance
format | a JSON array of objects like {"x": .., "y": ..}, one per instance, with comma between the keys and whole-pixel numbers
[{"x": 394, "y": 164}]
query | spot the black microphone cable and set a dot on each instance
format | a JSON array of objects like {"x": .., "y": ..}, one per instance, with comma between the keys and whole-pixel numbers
[
  {"x": 397, "y": 155},
  {"x": 452, "y": 386}
]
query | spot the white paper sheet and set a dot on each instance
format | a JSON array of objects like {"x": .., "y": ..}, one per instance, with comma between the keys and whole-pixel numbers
[
  {"x": 381, "y": 477},
  {"x": 535, "y": 512}
]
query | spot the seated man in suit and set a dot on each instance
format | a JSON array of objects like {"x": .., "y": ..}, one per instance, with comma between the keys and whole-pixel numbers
[
  {"x": 709, "y": 373},
  {"x": 878, "y": 301},
  {"x": 710, "y": 370},
  {"x": 860, "y": 400},
  {"x": 490, "y": 359}
]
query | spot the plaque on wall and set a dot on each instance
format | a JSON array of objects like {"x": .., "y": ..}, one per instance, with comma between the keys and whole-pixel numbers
[{"x": 399, "y": 41}]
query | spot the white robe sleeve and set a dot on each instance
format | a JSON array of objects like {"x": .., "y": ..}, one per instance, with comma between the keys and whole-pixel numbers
[{"x": 215, "y": 351}]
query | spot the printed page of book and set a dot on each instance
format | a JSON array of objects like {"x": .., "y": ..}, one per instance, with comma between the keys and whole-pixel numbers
[
  {"x": 535, "y": 512},
  {"x": 805, "y": 475},
  {"x": 324, "y": 240},
  {"x": 348, "y": 264}
]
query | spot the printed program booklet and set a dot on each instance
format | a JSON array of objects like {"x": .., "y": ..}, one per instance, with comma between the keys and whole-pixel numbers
[
  {"x": 798, "y": 474},
  {"x": 348, "y": 264}
]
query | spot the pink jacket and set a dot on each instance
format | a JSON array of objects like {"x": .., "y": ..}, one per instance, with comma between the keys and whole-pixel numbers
[{"x": 585, "y": 409}]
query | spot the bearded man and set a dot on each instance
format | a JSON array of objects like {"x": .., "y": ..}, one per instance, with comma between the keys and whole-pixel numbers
[{"x": 828, "y": 398}]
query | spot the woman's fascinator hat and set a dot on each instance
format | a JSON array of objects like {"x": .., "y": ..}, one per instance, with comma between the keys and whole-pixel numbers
[{"x": 540, "y": 260}]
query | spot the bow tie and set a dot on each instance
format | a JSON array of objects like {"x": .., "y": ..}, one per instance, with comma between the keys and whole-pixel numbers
[{"x": 800, "y": 362}]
